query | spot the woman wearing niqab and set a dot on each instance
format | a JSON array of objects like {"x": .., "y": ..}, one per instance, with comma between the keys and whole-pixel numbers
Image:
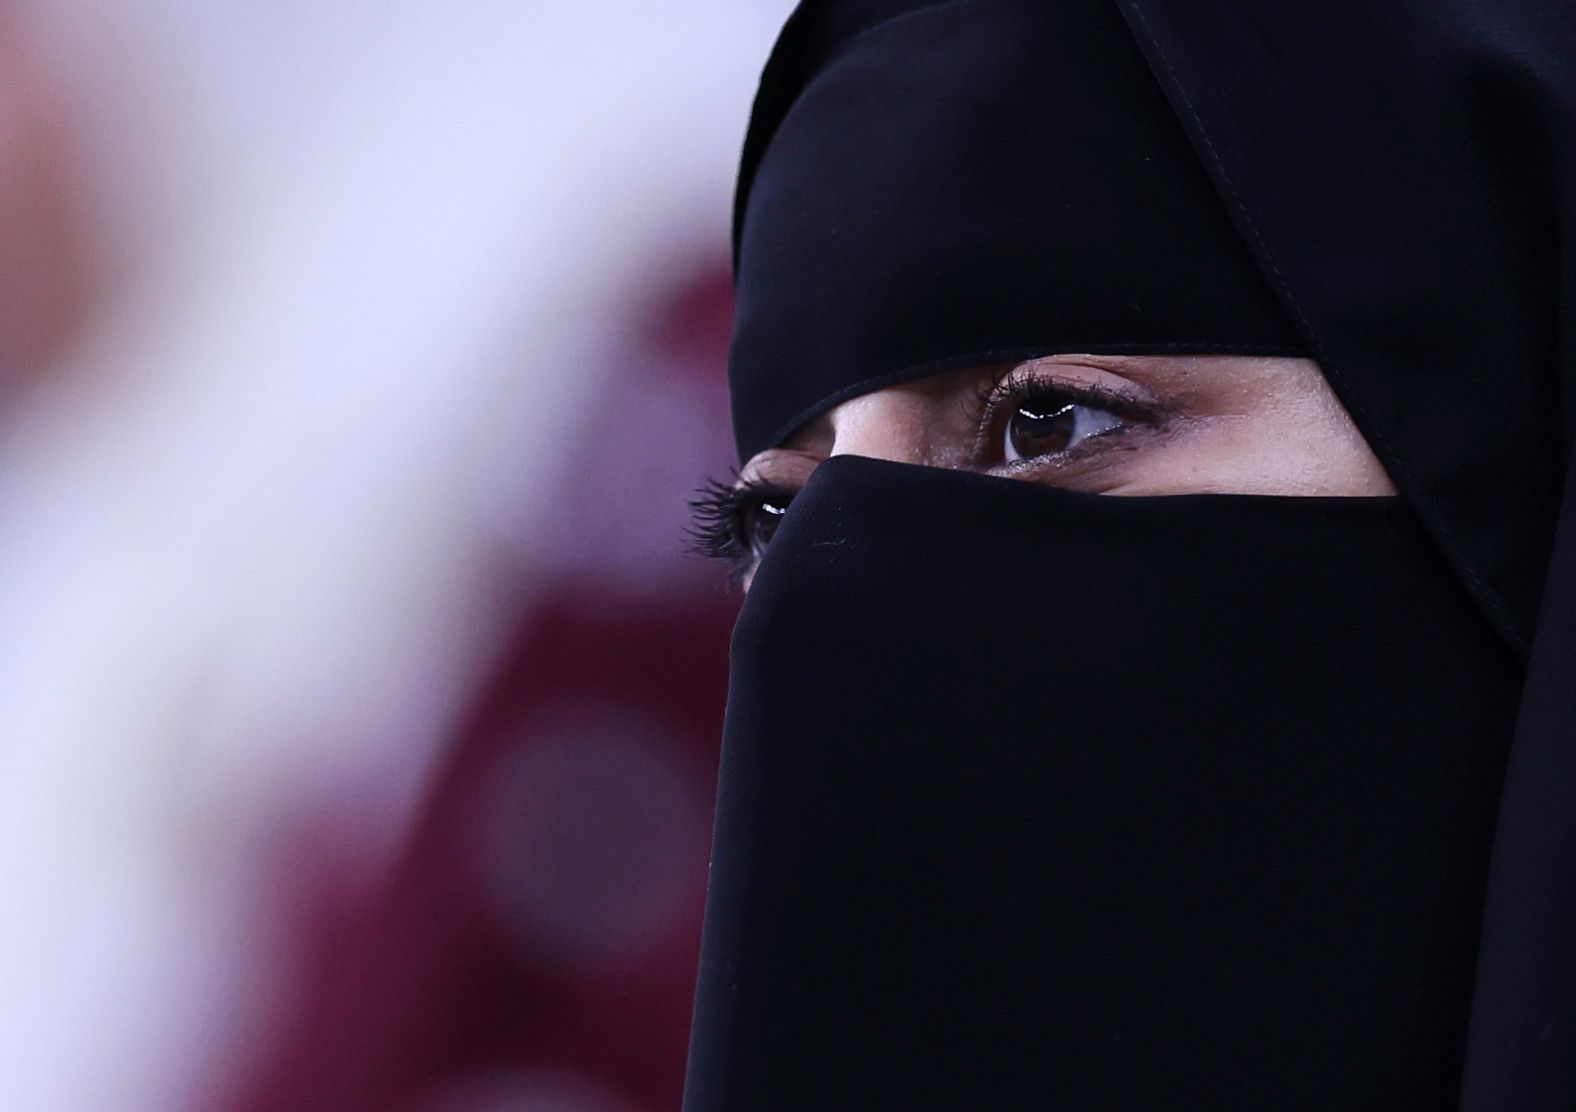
[{"x": 1033, "y": 797}]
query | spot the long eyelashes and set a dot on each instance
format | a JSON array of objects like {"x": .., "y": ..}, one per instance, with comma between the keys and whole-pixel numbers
[
  {"x": 734, "y": 521},
  {"x": 713, "y": 529},
  {"x": 721, "y": 516}
]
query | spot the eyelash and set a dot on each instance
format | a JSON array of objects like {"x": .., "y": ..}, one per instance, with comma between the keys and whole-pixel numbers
[
  {"x": 719, "y": 510},
  {"x": 718, "y": 514}
]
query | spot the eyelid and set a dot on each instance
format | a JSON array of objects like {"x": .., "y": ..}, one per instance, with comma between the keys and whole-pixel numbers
[{"x": 995, "y": 398}]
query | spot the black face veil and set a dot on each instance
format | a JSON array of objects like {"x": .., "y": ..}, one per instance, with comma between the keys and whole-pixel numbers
[{"x": 1040, "y": 799}]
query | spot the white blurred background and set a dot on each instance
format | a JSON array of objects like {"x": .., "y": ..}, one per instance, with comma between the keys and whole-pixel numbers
[{"x": 358, "y": 707}]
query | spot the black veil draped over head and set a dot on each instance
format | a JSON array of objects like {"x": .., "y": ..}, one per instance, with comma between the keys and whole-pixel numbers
[{"x": 1348, "y": 876}]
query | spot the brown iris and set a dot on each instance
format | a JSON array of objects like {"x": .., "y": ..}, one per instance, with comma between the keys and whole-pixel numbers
[{"x": 1040, "y": 428}]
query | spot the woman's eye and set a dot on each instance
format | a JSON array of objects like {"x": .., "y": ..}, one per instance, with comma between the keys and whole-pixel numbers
[
  {"x": 736, "y": 521},
  {"x": 759, "y": 521},
  {"x": 1042, "y": 427}
]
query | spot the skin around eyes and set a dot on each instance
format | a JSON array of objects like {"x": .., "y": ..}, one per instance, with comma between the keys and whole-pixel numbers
[{"x": 1119, "y": 425}]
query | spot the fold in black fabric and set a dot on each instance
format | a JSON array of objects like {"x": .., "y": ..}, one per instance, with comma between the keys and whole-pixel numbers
[
  {"x": 933, "y": 184},
  {"x": 1406, "y": 173},
  {"x": 1032, "y": 799}
]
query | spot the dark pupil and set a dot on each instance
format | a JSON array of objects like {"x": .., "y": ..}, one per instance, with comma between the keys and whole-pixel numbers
[
  {"x": 1037, "y": 430},
  {"x": 761, "y": 523}
]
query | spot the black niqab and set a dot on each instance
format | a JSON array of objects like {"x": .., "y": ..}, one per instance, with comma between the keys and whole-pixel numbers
[
  {"x": 1040, "y": 799},
  {"x": 1033, "y": 799}
]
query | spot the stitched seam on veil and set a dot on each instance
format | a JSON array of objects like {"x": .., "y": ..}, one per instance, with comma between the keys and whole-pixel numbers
[{"x": 1485, "y": 591}]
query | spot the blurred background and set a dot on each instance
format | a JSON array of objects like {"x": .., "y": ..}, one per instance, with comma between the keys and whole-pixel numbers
[{"x": 358, "y": 704}]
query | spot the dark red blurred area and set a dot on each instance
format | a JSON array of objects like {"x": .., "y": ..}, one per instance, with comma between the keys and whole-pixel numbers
[{"x": 535, "y": 945}]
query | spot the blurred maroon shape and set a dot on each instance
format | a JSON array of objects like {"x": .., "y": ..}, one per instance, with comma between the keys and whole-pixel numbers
[{"x": 535, "y": 946}]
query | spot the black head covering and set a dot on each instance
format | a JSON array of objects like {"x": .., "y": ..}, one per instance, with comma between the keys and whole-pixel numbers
[
  {"x": 1406, "y": 172},
  {"x": 920, "y": 190},
  {"x": 981, "y": 842}
]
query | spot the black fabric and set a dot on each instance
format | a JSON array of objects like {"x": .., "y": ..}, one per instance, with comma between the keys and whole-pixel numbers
[
  {"x": 1522, "y": 1055},
  {"x": 1035, "y": 799},
  {"x": 1406, "y": 174},
  {"x": 1403, "y": 171},
  {"x": 928, "y": 185},
  {"x": 1389, "y": 187}
]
